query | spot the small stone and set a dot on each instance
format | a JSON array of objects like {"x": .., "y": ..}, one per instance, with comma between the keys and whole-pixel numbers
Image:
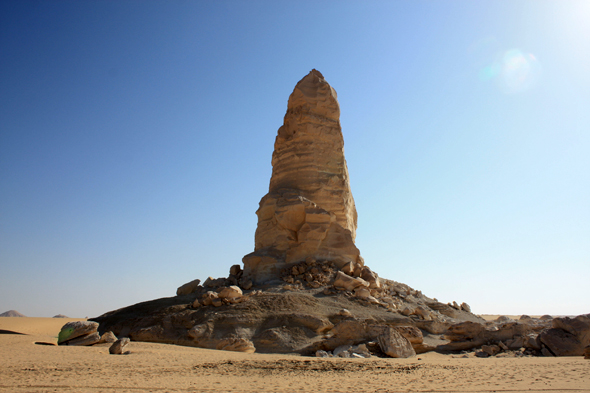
[
  {"x": 196, "y": 303},
  {"x": 217, "y": 302},
  {"x": 465, "y": 307},
  {"x": 344, "y": 312},
  {"x": 322, "y": 354},
  {"x": 119, "y": 347}
]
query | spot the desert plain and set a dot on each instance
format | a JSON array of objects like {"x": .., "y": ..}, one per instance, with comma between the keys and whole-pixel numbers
[{"x": 30, "y": 361}]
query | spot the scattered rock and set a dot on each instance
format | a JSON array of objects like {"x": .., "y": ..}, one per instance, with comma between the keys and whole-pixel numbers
[
  {"x": 322, "y": 354},
  {"x": 119, "y": 347}
]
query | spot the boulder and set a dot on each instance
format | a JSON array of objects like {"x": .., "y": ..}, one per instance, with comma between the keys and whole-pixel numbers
[
  {"x": 231, "y": 293},
  {"x": 393, "y": 344},
  {"x": 348, "y": 283},
  {"x": 188, "y": 288},
  {"x": 108, "y": 337},
  {"x": 491, "y": 350},
  {"x": 578, "y": 326},
  {"x": 75, "y": 329},
  {"x": 119, "y": 347},
  {"x": 83, "y": 341},
  {"x": 561, "y": 343}
]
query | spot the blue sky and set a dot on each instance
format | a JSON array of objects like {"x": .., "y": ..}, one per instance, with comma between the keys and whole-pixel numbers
[{"x": 136, "y": 139}]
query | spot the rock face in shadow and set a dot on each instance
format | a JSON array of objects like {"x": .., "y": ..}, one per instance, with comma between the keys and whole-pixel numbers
[{"x": 309, "y": 211}]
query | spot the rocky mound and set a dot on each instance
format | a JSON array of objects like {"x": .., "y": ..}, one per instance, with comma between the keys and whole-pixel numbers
[
  {"x": 12, "y": 313},
  {"x": 306, "y": 289},
  {"x": 60, "y": 316}
]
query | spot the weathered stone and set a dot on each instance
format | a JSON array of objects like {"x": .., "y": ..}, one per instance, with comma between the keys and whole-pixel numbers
[
  {"x": 578, "y": 326},
  {"x": 491, "y": 350},
  {"x": 119, "y": 347},
  {"x": 309, "y": 211},
  {"x": 360, "y": 350},
  {"x": 465, "y": 307},
  {"x": 235, "y": 270},
  {"x": 348, "y": 283},
  {"x": 107, "y": 337},
  {"x": 86, "y": 340},
  {"x": 561, "y": 343},
  {"x": 188, "y": 288},
  {"x": 211, "y": 282},
  {"x": 344, "y": 312},
  {"x": 72, "y": 330},
  {"x": 236, "y": 345},
  {"x": 208, "y": 298},
  {"x": 230, "y": 293},
  {"x": 587, "y": 352},
  {"x": 348, "y": 268},
  {"x": 411, "y": 333},
  {"x": 322, "y": 354},
  {"x": 362, "y": 292},
  {"x": 393, "y": 344},
  {"x": 342, "y": 351}
]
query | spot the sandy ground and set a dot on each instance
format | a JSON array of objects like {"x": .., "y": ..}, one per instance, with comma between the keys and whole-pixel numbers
[{"x": 29, "y": 367}]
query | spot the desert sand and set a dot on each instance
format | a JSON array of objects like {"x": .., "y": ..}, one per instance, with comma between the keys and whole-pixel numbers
[{"x": 149, "y": 367}]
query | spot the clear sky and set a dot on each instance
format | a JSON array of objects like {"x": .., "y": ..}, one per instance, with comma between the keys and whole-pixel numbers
[{"x": 136, "y": 140}]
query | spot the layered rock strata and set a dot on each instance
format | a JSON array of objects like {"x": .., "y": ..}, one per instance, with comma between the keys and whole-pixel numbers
[{"x": 309, "y": 211}]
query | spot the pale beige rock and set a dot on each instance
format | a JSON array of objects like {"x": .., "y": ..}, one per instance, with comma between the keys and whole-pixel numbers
[
  {"x": 230, "y": 293},
  {"x": 348, "y": 283},
  {"x": 188, "y": 288},
  {"x": 309, "y": 211}
]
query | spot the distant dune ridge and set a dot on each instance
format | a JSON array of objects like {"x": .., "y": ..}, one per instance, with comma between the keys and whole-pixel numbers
[
  {"x": 60, "y": 316},
  {"x": 12, "y": 313}
]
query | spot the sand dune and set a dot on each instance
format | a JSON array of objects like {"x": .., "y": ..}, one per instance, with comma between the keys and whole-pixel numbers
[{"x": 27, "y": 367}]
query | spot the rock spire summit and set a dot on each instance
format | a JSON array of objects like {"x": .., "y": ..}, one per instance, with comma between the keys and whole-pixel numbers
[{"x": 309, "y": 211}]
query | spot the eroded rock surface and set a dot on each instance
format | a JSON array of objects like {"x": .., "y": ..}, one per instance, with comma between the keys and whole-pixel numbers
[{"x": 309, "y": 211}]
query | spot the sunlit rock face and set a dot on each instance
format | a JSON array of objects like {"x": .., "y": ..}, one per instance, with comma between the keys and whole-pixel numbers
[{"x": 309, "y": 211}]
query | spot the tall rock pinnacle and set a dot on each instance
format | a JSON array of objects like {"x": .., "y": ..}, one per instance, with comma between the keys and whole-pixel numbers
[{"x": 309, "y": 211}]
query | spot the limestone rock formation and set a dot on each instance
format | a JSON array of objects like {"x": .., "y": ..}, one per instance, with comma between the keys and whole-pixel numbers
[{"x": 309, "y": 211}]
